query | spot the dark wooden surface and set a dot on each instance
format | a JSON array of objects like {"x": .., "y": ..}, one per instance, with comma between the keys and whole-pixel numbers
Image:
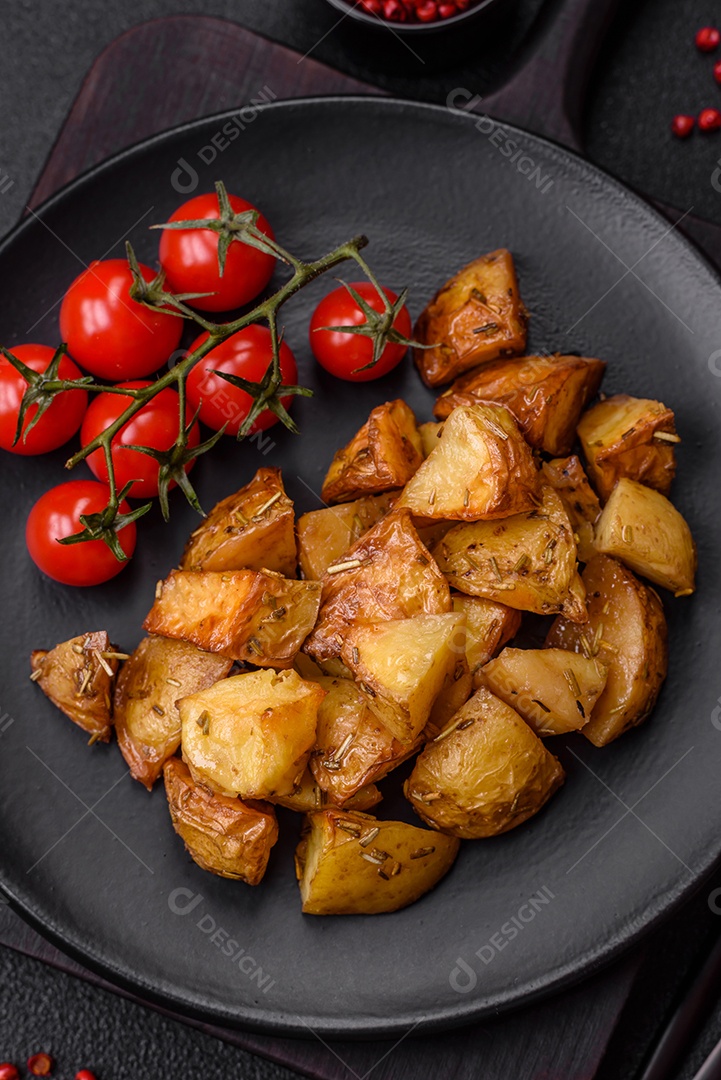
[{"x": 206, "y": 65}]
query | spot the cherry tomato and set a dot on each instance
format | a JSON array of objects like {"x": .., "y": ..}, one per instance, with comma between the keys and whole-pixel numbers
[
  {"x": 247, "y": 354},
  {"x": 111, "y": 335},
  {"x": 190, "y": 258},
  {"x": 155, "y": 425},
  {"x": 343, "y": 354},
  {"x": 60, "y": 420},
  {"x": 55, "y": 515}
]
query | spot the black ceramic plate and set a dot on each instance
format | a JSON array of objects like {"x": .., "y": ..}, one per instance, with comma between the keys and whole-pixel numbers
[{"x": 91, "y": 858}]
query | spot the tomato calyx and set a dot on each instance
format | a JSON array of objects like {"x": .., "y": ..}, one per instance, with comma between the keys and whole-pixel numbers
[
  {"x": 153, "y": 294},
  {"x": 174, "y": 462},
  {"x": 378, "y": 325},
  {"x": 43, "y": 387},
  {"x": 231, "y": 227},
  {"x": 106, "y": 524}
]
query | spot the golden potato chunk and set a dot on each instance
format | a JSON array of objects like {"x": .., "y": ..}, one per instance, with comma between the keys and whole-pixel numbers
[
  {"x": 251, "y": 734},
  {"x": 387, "y": 574},
  {"x": 403, "y": 664},
  {"x": 482, "y": 467},
  {"x": 352, "y": 864},
  {"x": 629, "y": 437},
  {"x": 567, "y": 477},
  {"x": 486, "y": 772},
  {"x": 554, "y": 690},
  {"x": 78, "y": 676},
  {"x": 147, "y": 721},
  {"x": 383, "y": 455},
  {"x": 353, "y": 748},
  {"x": 254, "y": 529},
  {"x": 228, "y": 837},
  {"x": 626, "y": 631},
  {"x": 325, "y": 535},
  {"x": 455, "y": 692},
  {"x": 645, "y": 531},
  {"x": 489, "y": 626},
  {"x": 309, "y": 796},
  {"x": 477, "y": 316},
  {"x": 527, "y": 561},
  {"x": 249, "y": 615},
  {"x": 430, "y": 433},
  {"x": 545, "y": 394}
]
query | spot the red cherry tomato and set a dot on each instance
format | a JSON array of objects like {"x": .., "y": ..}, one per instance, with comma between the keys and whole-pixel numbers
[
  {"x": 108, "y": 333},
  {"x": 55, "y": 515},
  {"x": 155, "y": 425},
  {"x": 190, "y": 258},
  {"x": 344, "y": 354},
  {"x": 247, "y": 354},
  {"x": 58, "y": 423}
]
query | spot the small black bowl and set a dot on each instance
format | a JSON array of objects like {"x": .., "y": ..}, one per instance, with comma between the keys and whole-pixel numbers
[{"x": 417, "y": 46}]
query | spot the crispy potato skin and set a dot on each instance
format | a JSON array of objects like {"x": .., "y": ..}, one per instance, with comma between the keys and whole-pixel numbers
[
  {"x": 383, "y": 455},
  {"x": 74, "y": 678},
  {"x": 309, "y": 796},
  {"x": 254, "y": 529},
  {"x": 566, "y": 476},
  {"x": 251, "y": 734},
  {"x": 645, "y": 531},
  {"x": 344, "y": 766},
  {"x": 527, "y": 561},
  {"x": 481, "y": 468},
  {"x": 627, "y": 632},
  {"x": 489, "y": 774},
  {"x": 489, "y": 625},
  {"x": 396, "y": 579},
  {"x": 325, "y": 535},
  {"x": 248, "y": 615},
  {"x": 352, "y": 864},
  {"x": 477, "y": 316},
  {"x": 545, "y": 394},
  {"x": 623, "y": 436},
  {"x": 147, "y": 722},
  {"x": 225, "y": 836},
  {"x": 403, "y": 664},
  {"x": 554, "y": 690}
]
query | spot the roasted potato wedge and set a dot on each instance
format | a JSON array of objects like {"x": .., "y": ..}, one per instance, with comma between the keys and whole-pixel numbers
[
  {"x": 489, "y": 626},
  {"x": 254, "y": 529},
  {"x": 325, "y": 535},
  {"x": 403, "y": 665},
  {"x": 353, "y": 748},
  {"x": 352, "y": 864},
  {"x": 430, "y": 433},
  {"x": 387, "y": 574},
  {"x": 554, "y": 690},
  {"x": 486, "y": 772},
  {"x": 455, "y": 692},
  {"x": 249, "y": 615},
  {"x": 482, "y": 467},
  {"x": 645, "y": 531},
  {"x": 251, "y": 734},
  {"x": 545, "y": 394},
  {"x": 527, "y": 561},
  {"x": 78, "y": 676},
  {"x": 629, "y": 437},
  {"x": 383, "y": 455},
  {"x": 477, "y": 316},
  {"x": 228, "y": 837},
  {"x": 147, "y": 722},
  {"x": 626, "y": 632},
  {"x": 566, "y": 476},
  {"x": 309, "y": 796}
]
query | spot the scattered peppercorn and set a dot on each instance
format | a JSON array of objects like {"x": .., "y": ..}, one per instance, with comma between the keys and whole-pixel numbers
[
  {"x": 40, "y": 1064},
  {"x": 415, "y": 11},
  {"x": 85, "y": 1074},
  {"x": 707, "y": 39},
  {"x": 709, "y": 120},
  {"x": 682, "y": 126},
  {"x": 8, "y": 1071}
]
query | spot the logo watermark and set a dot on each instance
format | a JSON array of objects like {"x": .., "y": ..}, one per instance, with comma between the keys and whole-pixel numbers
[
  {"x": 185, "y": 902},
  {"x": 6, "y": 722},
  {"x": 462, "y": 100},
  {"x": 5, "y": 183},
  {"x": 464, "y": 978},
  {"x": 186, "y": 177}
]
